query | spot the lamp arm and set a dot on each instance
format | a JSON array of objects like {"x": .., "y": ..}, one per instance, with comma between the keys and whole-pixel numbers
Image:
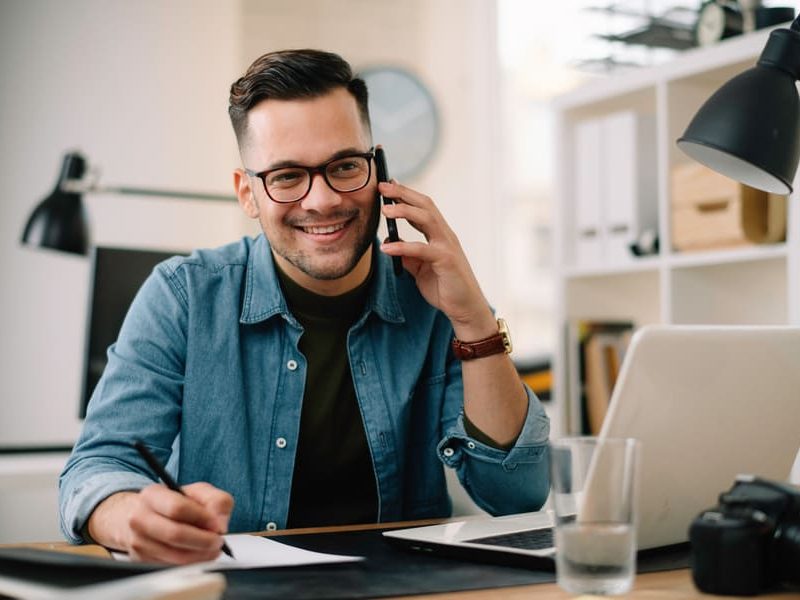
[{"x": 90, "y": 185}]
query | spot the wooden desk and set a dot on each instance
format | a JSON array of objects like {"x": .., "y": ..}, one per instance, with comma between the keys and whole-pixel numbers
[{"x": 665, "y": 585}]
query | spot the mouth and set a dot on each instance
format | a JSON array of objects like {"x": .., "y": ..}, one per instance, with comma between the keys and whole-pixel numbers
[{"x": 323, "y": 229}]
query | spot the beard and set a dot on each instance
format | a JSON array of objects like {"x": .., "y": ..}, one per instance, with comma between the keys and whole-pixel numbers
[{"x": 333, "y": 263}]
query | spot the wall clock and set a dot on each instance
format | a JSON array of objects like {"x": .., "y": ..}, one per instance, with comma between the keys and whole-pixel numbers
[
  {"x": 405, "y": 120},
  {"x": 717, "y": 20}
]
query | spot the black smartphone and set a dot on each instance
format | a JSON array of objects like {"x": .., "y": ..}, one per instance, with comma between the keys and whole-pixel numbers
[{"x": 391, "y": 225}]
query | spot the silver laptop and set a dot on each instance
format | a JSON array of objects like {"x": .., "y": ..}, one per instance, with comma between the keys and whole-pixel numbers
[{"x": 707, "y": 403}]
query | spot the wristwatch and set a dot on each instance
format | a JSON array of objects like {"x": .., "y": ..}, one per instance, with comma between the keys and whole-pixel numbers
[{"x": 494, "y": 344}]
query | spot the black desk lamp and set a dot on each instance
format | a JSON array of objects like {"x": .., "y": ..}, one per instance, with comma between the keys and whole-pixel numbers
[
  {"x": 59, "y": 221},
  {"x": 749, "y": 130}
]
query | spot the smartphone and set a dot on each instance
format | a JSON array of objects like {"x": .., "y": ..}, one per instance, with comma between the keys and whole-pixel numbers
[{"x": 391, "y": 224}]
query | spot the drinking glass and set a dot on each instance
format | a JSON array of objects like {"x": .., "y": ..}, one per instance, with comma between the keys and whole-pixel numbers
[{"x": 594, "y": 484}]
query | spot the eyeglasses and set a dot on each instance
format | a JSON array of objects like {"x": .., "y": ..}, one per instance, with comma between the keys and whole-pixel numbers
[{"x": 291, "y": 184}]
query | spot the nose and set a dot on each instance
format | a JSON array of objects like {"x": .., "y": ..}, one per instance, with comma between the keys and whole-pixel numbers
[{"x": 321, "y": 197}]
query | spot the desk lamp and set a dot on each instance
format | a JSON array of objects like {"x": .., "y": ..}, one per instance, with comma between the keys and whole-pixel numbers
[
  {"x": 59, "y": 221},
  {"x": 749, "y": 130}
]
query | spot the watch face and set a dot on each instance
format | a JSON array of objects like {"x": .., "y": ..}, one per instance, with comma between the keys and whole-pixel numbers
[{"x": 404, "y": 119}]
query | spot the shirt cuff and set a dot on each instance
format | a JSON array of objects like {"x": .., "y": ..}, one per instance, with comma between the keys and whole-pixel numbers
[
  {"x": 530, "y": 446},
  {"x": 472, "y": 431},
  {"x": 84, "y": 499}
]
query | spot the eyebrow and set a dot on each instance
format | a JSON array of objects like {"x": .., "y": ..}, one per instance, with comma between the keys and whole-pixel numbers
[{"x": 282, "y": 164}]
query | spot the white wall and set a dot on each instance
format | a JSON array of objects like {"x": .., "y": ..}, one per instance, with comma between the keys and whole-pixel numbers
[{"x": 141, "y": 88}]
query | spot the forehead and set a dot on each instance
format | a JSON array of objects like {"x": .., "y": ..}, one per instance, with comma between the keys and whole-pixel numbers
[{"x": 307, "y": 130}]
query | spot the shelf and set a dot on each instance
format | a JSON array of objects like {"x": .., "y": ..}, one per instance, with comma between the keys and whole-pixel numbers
[
  {"x": 744, "y": 285},
  {"x": 728, "y": 256},
  {"x": 647, "y": 263}
]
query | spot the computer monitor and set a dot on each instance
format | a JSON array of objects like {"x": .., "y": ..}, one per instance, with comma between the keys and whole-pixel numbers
[{"x": 117, "y": 274}]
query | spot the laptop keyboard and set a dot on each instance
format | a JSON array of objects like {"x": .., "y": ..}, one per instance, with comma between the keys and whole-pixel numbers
[{"x": 531, "y": 539}]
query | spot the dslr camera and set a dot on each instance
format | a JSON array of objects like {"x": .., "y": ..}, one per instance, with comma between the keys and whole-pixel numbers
[{"x": 750, "y": 541}]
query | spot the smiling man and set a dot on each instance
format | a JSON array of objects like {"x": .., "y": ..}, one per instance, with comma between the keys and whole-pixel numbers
[{"x": 292, "y": 379}]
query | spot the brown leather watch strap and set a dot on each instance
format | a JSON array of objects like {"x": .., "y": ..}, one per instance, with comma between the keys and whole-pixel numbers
[{"x": 494, "y": 344}]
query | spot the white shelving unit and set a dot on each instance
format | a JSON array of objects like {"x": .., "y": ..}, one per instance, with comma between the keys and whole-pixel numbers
[{"x": 745, "y": 285}]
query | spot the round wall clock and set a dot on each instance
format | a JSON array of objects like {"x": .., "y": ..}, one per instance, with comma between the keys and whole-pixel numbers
[
  {"x": 717, "y": 20},
  {"x": 405, "y": 120}
]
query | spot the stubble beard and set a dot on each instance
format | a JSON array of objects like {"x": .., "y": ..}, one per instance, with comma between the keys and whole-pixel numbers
[{"x": 316, "y": 267}]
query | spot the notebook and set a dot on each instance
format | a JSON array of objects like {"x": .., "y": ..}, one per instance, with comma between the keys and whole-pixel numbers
[{"x": 706, "y": 402}]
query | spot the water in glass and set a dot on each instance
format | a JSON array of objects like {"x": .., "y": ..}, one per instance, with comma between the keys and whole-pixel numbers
[{"x": 596, "y": 558}]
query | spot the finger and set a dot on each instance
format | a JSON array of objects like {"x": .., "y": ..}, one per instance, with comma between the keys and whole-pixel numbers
[
  {"x": 397, "y": 191},
  {"x": 416, "y": 250},
  {"x": 147, "y": 549},
  {"x": 418, "y": 218},
  {"x": 177, "y": 507},
  {"x": 174, "y": 534},
  {"x": 218, "y": 501},
  {"x": 430, "y": 224}
]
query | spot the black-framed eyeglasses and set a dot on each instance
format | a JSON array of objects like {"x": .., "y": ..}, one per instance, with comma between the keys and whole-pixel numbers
[{"x": 291, "y": 184}]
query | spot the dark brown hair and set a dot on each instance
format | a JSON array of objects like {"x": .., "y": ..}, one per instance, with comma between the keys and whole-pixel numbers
[{"x": 290, "y": 75}]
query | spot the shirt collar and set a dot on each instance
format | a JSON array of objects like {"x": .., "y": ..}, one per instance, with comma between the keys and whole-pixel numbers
[{"x": 263, "y": 297}]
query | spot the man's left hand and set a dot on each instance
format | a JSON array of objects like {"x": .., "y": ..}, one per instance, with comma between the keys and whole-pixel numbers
[{"x": 439, "y": 267}]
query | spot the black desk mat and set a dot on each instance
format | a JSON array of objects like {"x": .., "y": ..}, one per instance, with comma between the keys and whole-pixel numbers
[{"x": 390, "y": 571}]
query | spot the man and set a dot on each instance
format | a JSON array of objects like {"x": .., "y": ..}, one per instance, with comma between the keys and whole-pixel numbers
[{"x": 295, "y": 373}]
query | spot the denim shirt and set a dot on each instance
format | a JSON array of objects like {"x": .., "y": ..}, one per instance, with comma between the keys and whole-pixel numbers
[{"x": 207, "y": 373}]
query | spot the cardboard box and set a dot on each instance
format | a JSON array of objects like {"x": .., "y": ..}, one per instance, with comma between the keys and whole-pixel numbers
[{"x": 710, "y": 210}]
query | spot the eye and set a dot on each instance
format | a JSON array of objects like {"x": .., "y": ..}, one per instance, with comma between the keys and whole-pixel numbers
[
  {"x": 286, "y": 177},
  {"x": 347, "y": 167}
]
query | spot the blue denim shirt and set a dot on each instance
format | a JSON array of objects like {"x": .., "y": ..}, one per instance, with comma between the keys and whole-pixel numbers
[{"x": 207, "y": 372}]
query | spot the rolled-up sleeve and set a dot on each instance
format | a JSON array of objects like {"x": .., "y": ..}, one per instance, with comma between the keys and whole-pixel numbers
[
  {"x": 502, "y": 481},
  {"x": 78, "y": 501},
  {"x": 138, "y": 397}
]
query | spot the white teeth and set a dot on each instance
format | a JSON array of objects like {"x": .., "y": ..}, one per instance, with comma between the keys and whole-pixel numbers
[{"x": 328, "y": 229}]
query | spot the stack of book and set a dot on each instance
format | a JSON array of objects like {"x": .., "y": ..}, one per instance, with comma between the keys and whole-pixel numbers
[{"x": 596, "y": 350}]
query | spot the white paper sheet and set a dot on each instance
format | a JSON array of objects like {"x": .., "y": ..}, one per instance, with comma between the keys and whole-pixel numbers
[{"x": 253, "y": 552}]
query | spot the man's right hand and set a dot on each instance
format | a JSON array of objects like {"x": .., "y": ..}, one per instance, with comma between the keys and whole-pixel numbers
[{"x": 159, "y": 525}]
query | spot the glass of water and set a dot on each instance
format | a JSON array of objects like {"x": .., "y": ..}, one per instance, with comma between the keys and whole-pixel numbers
[{"x": 594, "y": 492}]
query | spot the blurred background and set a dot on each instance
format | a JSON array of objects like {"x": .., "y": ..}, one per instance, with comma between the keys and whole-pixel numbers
[{"x": 140, "y": 88}]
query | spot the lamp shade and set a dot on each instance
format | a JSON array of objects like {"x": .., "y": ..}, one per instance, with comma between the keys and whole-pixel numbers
[
  {"x": 59, "y": 221},
  {"x": 749, "y": 130}
]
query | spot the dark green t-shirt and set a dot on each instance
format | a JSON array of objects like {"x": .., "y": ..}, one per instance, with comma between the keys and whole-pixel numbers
[{"x": 333, "y": 481}]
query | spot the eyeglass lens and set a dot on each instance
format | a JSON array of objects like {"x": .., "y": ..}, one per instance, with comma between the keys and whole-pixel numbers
[{"x": 292, "y": 183}]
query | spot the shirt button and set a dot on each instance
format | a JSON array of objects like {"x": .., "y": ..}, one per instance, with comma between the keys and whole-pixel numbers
[
  {"x": 291, "y": 365},
  {"x": 448, "y": 452},
  {"x": 471, "y": 445},
  {"x": 280, "y": 442},
  {"x": 272, "y": 526}
]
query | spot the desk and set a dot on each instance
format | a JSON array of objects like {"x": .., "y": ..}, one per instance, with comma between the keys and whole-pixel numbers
[{"x": 665, "y": 585}]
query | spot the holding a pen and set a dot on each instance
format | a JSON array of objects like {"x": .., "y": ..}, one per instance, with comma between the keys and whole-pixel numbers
[
  {"x": 159, "y": 470},
  {"x": 162, "y": 525}
]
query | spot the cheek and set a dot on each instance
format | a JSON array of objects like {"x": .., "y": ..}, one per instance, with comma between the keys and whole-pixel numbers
[
  {"x": 368, "y": 199},
  {"x": 272, "y": 217}
]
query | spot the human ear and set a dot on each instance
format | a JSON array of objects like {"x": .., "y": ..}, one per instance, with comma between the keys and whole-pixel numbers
[{"x": 244, "y": 193}]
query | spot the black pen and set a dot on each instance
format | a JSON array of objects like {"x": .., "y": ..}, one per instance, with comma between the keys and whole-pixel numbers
[{"x": 162, "y": 474}]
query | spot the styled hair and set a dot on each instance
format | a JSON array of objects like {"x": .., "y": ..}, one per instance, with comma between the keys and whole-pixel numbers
[{"x": 292, "y": 75}]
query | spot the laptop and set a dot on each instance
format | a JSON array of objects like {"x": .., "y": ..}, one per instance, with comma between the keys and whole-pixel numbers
[{"x": 706, "y": 402}]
